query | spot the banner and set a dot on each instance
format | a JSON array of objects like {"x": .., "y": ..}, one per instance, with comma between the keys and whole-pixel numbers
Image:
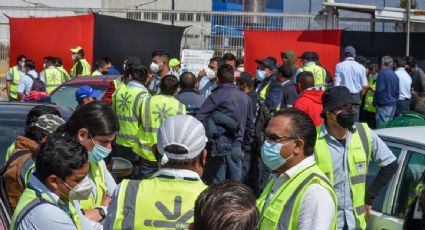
[
  {"x": 262, "y": 44},
  {"x": 196, "y": 60},
  {"x": 40, "y": 37}
]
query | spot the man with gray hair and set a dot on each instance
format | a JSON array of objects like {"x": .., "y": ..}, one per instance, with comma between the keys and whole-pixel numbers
[
  {"x": 167, "y": 199},
  {"x": 387, "y": 92}
]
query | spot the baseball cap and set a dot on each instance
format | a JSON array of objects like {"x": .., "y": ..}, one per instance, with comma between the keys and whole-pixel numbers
[
  {"x": 184, "y": 131},
  {"x": 86, "y": 91},
  {"x": 246, "y": 78},
  {"x": 76, "y": 49},
  {"x": 309, "y": 56},
  {"x": 350, "y": 49},
  {"x": 267, "y": 62},
  {"x": 49, "y": 122},
  {"x": 173, "y": 62},
  {"x": 335, "y": 97}
]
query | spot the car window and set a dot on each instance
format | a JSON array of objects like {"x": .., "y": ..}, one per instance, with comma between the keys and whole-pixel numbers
[
  {"x": 65, "y": 95},
  {"x": 373, "y": 170},
  {"x": 409, "y": 185}
]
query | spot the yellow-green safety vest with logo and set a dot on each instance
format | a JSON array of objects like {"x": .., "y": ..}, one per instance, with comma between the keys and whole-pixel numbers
[
  {"x": 319, "y": 75},
  {"x": 154, "y": 111},
  {"x": 264, "y": 92},
  {"x": 119, "y": 84},
  {"x": 86, "y": 68},
  {"x": 368, "y": 101},
  {"x": 31, "y": 198},
  {"x": 284, "y": 207},
  {"x": 98, "y": 176},
  {"x": 14, "y": 81},
  {"x": 156, "y": 203},
  {"x": 53, "y": 78},
  {"x": 359, "y": 153},
  {"x": 127, "y": 104},
  {"x": 65, "y": 74}
]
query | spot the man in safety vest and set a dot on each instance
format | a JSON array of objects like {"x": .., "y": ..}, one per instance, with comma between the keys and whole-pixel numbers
[
  {"x": 309, "y": 64},
  {"x": 13, "y": 76},
  {"x": 298, "y": 195},
  {"x": 60, "y": 177},
  {"x": 154, "y": 111},
  {"x": 167, "y": 199},
  {"x": 101, "y": 68},
  {"x": 59, "y": 66},
  {"x": 81, "y": 66},
  {"x": 344, "y": 150},
  {"x": 51, "y": 75},
  {"x": 126, "y": 104},
  {"x": 267, "y": 91},
  {"x": 368, "y": 100}
]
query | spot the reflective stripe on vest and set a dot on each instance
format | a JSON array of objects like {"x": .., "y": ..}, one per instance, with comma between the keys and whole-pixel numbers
[
  {"x": 98, "y": 176},
  {"x": 264, "y": 92},
  {"x": 359, "y": 152},
  {"x": 157, "y": 202},
  {"x": 154, "y": 111},
  {"x": 53, "y": 78},
  {"x": 319, "y": 75},
  {"x": 14, "y": 82},
  {"x": 86, "y": 68},
  {"x": 30, "y": 199},
  {"x": 126, "y": 103},
  {"x": 284, "y": 207}
]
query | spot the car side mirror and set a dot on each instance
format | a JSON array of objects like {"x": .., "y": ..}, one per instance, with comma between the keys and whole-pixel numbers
[{"x": 120, "y": 167}]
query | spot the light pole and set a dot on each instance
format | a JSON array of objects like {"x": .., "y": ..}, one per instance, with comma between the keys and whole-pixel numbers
[
  {"x": 172, "y": 13},
  {"x": 309, "y": 12},
  {"x": 408, "y": 29}
]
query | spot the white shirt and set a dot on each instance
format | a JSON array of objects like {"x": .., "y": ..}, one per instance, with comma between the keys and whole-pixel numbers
[
  {"x": 317, "y": 206},
  {"x": 405, "y": 83},
  {"x": 351, "y": 74}
]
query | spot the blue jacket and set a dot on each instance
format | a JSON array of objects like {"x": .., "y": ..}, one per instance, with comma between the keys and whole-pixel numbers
[
  {"x": 229, "y": 100},
  {"x": 387, "y": 88}
]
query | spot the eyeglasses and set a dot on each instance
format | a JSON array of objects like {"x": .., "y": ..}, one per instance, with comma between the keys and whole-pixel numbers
[{"x": 277, "y": 139}]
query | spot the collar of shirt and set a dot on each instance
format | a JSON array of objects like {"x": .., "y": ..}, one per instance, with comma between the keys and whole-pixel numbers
[
  {"x": 37, "y": 184},
  {"x": 307, "y": 162},
  {"x": 324, "y": 131},
  {"x": 400, "y": 69},
  {"x": 137, "y": 85},
  {"x": 349, "y": 59},
  {"x": 309, "y": 63},
  {"x": 225, "y": 85},
  {"x": 177, "y": 173}
]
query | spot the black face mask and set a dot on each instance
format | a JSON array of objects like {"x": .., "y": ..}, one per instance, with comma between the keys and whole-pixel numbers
[{"x": 346, "y": 118}]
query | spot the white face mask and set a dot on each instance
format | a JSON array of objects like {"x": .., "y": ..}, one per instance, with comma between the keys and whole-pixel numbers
[
  {"x": 240, "y": 69},
  {"x": 154, "y": 67},
  {"x": 210, "y": 73},
  {"x": 81, "y": 191},
  {"x": 74, "y": 57},
  {"x": 22, "y": 64}
]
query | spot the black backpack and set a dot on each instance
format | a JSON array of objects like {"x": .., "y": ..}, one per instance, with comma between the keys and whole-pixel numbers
[{"x": 37, "y": 84}]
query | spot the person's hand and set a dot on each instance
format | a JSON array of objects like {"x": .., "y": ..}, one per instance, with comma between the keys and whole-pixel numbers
[
  {"x": 368, "y": 210},
  {"x": 106, "y": 200},
  {"x": 201, "y": 74},
  {"x": 93, "y": 214}
]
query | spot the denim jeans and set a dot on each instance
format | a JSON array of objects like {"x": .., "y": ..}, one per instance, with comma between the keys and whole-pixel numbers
[
  {"x": 401, "y": 107},
  {"x": 384, "y": 114},
  {"x": 220, "y": 168}
]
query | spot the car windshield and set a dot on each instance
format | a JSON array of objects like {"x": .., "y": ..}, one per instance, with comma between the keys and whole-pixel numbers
[{"x": 65, "y": 95}]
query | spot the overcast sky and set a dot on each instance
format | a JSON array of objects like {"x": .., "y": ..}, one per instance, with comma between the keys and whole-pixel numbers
[{"x": 301, "y": 6}]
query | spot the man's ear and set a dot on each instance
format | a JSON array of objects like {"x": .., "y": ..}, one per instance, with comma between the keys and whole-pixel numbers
[
  {"x": 52, "y": 182},
  {"x": 204, "y": 157},
  {"x": 83, "y": 134},
  {"x": 299, "y": 147}
]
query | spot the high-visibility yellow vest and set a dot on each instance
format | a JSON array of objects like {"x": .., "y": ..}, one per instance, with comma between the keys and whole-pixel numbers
[
  {"x": 9, "y": 151},
  {"x": 98, "y": 176},
  {"x": 86, "y": 68},
  {"x": 96, "y": 73},
  {"x": 118, "y": 84},
  {"x": 127, "y": 104},
  {"x": 154, "y": 111},
  {"x": 31, "y": 198},
  {"x": 156, "y": 203},
  {"x": 14, "y": 81},
  {"x": 53, "y": 78},
  {"x": 319, "y": 75},
  {"x": 264, "y": 92},
  {"x": 368, "y": 101},
  {"x": 358, "y": 161},
  {"x": 65, "y": 74},
  {"x": 284, "y": 207}
]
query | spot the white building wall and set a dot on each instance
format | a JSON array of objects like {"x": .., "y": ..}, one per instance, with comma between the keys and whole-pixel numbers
[{"x": 191, "y": 5}]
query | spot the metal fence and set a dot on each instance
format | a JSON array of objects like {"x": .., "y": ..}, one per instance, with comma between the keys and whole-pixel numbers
[{"x": 219, "y": 31}]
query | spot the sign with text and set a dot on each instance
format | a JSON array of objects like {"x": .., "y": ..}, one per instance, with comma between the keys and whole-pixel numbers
[{"x": 196, "y": 60}]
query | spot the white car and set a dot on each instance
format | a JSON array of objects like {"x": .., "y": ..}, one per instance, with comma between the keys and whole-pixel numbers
[{"x": 390, "y": 206}]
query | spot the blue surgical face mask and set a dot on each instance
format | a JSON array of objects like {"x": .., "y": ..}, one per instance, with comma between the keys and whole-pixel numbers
[
  {"x": 270, "y": 153},
  {"x": 261, "y": 75},
  {"x": 98, "y": 153}
]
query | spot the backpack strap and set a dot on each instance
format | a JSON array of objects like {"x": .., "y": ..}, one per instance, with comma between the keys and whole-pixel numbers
[
  {"x": 363, "y": 138},
  {"x": 25, "y": 168}
]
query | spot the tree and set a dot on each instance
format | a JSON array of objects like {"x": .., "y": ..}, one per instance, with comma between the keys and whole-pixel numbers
[{"x": 413, "y": 4}]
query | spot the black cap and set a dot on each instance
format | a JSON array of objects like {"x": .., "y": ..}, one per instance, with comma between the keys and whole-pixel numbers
[
  {"x": 245, "y": 78},
  {"x": 335, "y": 97},
  {"x": 267, "y": 62},
  {"x": 309, "y": 56}
]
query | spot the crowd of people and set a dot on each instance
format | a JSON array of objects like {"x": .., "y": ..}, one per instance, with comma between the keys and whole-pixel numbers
[{"x": 220, "y": 150}]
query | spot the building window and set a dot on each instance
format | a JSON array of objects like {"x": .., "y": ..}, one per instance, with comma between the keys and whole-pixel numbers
[
  {"x": 188, "y": 17},
  {"x": 150, "y": 16},
  {"x": 168, "y": 16},
  {"x": 134, "y": 15}
]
